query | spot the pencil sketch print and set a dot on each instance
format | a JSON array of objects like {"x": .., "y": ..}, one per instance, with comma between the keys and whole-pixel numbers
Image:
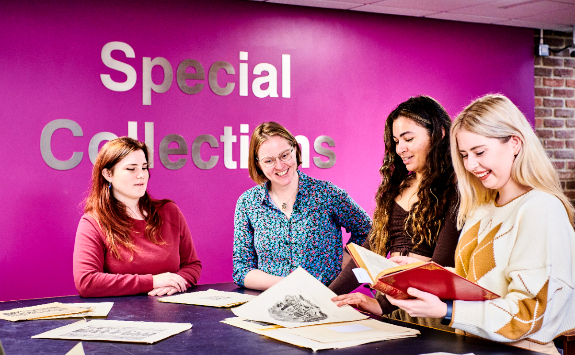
[
  {"x": 296, "y": 309},
  {"x": 111, "y": 332},
  {"x": 34, "y": 312}
]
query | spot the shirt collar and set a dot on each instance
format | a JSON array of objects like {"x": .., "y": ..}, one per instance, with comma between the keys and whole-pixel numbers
[{"x": 303, "y": 183}]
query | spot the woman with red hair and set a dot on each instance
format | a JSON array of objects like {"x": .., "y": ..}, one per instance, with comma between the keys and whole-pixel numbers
[{"x": 128, "y": 243}]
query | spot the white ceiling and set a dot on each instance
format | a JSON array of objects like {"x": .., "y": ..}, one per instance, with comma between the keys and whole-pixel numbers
[{"x": 556, "y": 15}]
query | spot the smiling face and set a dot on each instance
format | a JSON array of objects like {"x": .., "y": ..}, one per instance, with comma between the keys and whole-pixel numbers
[
  {"x": 489, "y": 159},
  {"x": 282, "y": 173},
  {"x": 412, "y": 143},
  {"x": 129, "y": 178}
]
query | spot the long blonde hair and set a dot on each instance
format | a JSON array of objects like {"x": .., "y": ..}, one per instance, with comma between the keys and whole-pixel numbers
[{"x": 495, "y": 116}]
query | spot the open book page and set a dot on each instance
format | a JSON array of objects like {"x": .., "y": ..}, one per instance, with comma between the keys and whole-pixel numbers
[
  {"x": 297, "y": 300},
  {"x": 116, "y": 330},
  {"x": 100, "y": 309},
  {"x": 210, "y": 298},
  {"x": 41, "y": 311},
  {"x": 373, "y": 262}
]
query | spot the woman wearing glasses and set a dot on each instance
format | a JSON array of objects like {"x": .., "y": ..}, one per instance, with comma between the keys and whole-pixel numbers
[
  {"x": 290, "y": 219},
  {"x": 415, "y": 217}
]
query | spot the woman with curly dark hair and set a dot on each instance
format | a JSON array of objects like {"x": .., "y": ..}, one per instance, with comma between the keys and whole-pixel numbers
[{"x": 415, "y": 217}]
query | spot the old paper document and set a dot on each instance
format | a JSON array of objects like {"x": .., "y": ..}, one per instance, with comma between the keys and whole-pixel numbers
[
  {"x": 116, "y": 330},
  {"x": 286, "y": 335},
  {"x": 77, "y": 350},
  {"x": 296, "y": 301},
  {"x": 211, "y": 298},
  {"x": 41, "y": 311},
  {"x": 358, "y": 330},
  {"x": 100, "y": 309}
]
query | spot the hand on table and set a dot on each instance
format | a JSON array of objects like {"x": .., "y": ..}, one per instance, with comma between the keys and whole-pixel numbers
[
  {"x": 164, "y": 290},
  {"x": 425, "y": 305},
  {"x": 168, "y": 279},
  {"x": 360, "y": 301}
]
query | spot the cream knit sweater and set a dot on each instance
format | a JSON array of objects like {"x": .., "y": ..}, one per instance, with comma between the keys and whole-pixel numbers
[{"x": 525, "y": 252}]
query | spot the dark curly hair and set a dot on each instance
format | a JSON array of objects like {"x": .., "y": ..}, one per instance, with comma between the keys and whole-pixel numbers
[{"x": 437, "y": 190}]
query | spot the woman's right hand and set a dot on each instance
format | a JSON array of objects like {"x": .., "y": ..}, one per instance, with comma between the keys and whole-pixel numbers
[
  {"x": 161, "y": 291},
  {"x": 168, "y": 279},
  {"x": 360, "y": 301}
]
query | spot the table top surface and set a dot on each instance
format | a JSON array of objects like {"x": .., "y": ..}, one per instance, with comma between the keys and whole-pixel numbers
[{"x": 209, "y": 336}]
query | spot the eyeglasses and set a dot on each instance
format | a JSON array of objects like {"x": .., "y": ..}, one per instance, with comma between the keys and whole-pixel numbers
[{"x": 270, "y": 162}]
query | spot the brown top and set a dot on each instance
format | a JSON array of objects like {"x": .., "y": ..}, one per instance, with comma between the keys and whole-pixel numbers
[{"x": 443, "y": 252}]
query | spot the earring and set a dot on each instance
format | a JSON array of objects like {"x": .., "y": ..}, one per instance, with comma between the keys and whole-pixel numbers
[{"x": 110, "y": 185}]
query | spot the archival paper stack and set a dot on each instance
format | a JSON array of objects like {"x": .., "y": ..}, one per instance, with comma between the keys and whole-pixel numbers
[
  {"x": 210, "y": 298},
  {"x": 100, "y": 309},
  {"x": 116, "y": 330},
  {"x": 298, "y": 310},
  {"x": 394, "y": 280},
  {"x": 41, "y": 311}
]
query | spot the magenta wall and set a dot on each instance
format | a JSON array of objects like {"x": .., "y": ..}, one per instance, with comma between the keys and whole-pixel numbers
[{"x": 348, "y": 71}]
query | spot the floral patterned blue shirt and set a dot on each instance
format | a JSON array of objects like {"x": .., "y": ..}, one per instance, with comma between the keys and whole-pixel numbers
[{"x": 265, "y": 239}]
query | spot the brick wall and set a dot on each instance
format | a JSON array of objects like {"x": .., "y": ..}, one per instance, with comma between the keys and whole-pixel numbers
[{"x": 555, "y": 106}]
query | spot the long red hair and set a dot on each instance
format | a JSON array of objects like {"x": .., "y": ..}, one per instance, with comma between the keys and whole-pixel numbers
[{"x": 111, "y": 213}]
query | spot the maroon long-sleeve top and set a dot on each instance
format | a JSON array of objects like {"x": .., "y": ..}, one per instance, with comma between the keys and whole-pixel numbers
[{"x": 98, "y": 273}]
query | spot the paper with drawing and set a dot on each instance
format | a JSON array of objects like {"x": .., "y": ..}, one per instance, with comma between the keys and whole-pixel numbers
[
  {"x": 116, "y": 330},
  {"x": 296, "y": 301},
  {"x": 211, "y": 298}
]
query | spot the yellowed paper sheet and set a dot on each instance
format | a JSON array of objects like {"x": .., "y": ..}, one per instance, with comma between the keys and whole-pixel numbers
[
  {"x": 100, "y": 309},
  {"x": 281, "y": 334},
  {"x": 250, "y": 325},
  {"x": 297, "y": 300},
  {"x": 116, "y": 330},
  {"x": 77, "y": 350},
  {"x": 350, "y": 331},
  {"x": 210, "y": 298},
  {"x": 41, "y": 311}
]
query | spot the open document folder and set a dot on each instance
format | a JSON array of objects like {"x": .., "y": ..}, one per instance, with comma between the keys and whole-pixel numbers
[{"x": 301, "y": 313}]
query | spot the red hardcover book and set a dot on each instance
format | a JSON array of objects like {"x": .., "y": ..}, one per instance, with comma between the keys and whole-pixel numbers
[{"x": 425, "y": 276}]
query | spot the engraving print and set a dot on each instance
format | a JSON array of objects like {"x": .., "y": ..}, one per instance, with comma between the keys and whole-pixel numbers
[
  {"x": 113, "y": 332},
  {"x": 295, "y": 308}
]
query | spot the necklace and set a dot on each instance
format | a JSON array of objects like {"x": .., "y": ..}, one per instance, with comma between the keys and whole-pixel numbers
[{"x": 284, "y": 204}]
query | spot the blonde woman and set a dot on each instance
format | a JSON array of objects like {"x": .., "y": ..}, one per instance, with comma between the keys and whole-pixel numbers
[{"x": 517, "y": 238}]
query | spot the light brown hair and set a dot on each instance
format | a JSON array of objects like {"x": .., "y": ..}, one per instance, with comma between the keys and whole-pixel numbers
[{"x": 262, "y": 133}]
